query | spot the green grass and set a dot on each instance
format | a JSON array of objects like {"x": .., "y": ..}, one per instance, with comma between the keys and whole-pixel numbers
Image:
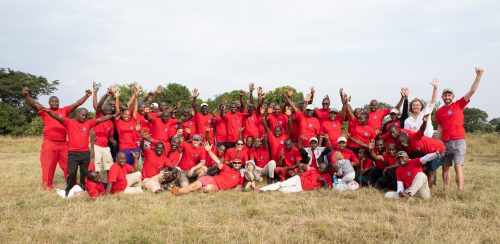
[{"x": 32, "y": 215}]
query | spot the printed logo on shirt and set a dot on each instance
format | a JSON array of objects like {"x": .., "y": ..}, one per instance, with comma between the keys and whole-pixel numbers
[
  {"x": 374, "y": 116},
  {"x": 196, "y": 155},
  {"x": 334, "y": 125},
  {"x": 261, "y": 156},
  {"x": 419, "y": 148},
  {"x": 408, "y": 173},
  {"x": 166, "y": 129},
  {"x": 84, "y": 129},
  {"x": 366, "y": 133},
  {"x": 450, "y": 112},
  {"x": 282, "y": 142},
  {"x": 108, "y": 128},
  {"x": 131, "y": 128},
  {"x": 293, "y": 158},
  {"x": 233, "y": 177},
  {"x": 310, "y": 125},
  {"x": 280, "y": 122},
  {"x": 238, "y": 121}
]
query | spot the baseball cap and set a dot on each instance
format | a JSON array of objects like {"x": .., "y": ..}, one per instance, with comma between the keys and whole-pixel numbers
[
  {"x": 204, "y": 104},
  {"x": 401, "y": 154},
  {"x": 342, "y": 139},
  {"x": 313, "y": 139},
  {"x": 154, "y": 105},
  {"x": 310, "y": 107},
  {"x": 197, "y": 137},
  {"x": 448, "y": 90},
  {"x": 394, "y": 111}
]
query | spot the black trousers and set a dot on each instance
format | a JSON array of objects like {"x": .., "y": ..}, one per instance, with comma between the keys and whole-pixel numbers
[{"x": 76, "y": 159}]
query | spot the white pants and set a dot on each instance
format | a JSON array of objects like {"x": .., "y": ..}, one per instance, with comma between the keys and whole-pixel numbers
[
  {"x": 102, "y": 158},
  {"x": 133, "y": 179},
  {"x": 291, "y": 185},
  {"x": 268, "y": 170},
  {"x": 347, "y": 182},
  {"x": 419, "y": 187}
]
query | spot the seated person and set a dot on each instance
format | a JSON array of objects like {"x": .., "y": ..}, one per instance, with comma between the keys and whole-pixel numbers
[
  {"x": 124, "y": 178},
  {"x": 250, "y": 175}
]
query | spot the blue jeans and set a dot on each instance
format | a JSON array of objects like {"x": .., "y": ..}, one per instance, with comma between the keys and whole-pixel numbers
[{"x": 130, "y": 157}]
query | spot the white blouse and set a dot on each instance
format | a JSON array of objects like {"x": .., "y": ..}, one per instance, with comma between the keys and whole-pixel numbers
[{"x": 414, "y": 124}]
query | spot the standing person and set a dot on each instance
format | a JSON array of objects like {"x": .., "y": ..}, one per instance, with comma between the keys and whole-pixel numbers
[
  {"x": 376, "y": 116},
  {"x": 450, "y": 120},
  {"x": 417, "y": 112},
  {"x": 203, "y": 119},
  {"x": 78, "y": 143},
  {"x": 234, "y": 121},
  {"x": 308, "y": 125},
  {"x": 410, "y": 178},
  {"x": 104, "y": 133},
  {"x": 333, "y": 127},
  {"x": 323, "y": 113},
  {"x": 220, "y": 127},
  {"x": 126, "y": 128},
  {"x": 54, "y": 147}
]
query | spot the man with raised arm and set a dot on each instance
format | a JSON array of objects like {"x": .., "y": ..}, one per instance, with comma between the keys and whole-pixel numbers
[
  {"x": 203, "y": 119},
  {"x": 450, "y": 120},
  {"x": 55, "y": 147}
]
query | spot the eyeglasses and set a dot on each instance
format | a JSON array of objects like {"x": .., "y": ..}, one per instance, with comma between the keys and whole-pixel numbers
[{"x": 239, "y": 144}]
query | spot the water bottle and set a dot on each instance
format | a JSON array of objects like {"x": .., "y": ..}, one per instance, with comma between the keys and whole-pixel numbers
[{"x": 335, "y": 180}]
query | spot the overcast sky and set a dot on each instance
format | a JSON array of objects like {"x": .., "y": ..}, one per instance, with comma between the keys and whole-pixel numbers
[{"x": 371, "y": 48}]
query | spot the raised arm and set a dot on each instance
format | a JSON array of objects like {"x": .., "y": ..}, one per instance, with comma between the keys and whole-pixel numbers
[
  {"x": 288, "y": 113},
  {"x": 435, "y": 87},
  {"x": 401, "y": 100},
  {"x": 194, "y": 96},
  {"x": 98, "y": 107},
  {"x": 57, "y": 117},
  {"x": 404, "y": 113},
  {"x": 312, "y": 96},
  {"x": 94, "y": 96},
  {"x": 473, "y": 88},
  {"x": 136, "y": 160},
  {"x": 158, "y": 91},
  {"x": 251, "y": 88},
  {"x": 431, "y": 156},
  {"x": 136, "y": 106},
  {"x": 208, "y": 148},
  {"x": 34, "y": 105},
  {"x": 290, "y": 103},
  {"x": 242, "y": 104},
  {"x": 81, "y": 101},
  {"x": 371, "y": 149}
]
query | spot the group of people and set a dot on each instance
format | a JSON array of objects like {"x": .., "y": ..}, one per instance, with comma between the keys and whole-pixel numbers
[{"x": 148, "y": 146}]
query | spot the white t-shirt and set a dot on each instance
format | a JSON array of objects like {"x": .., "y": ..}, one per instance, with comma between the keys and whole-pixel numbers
[{"x": 414, "y": 124}]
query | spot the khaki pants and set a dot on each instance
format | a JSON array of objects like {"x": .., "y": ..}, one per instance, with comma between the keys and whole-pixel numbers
[
  {"x": 268, "y": 170},
  {"x": 153, "y": 184},
  {"x": 288, "y": 186},
  {"x": 419, "y": 187},
  {"x": 102, "y": 158},
  {"x": 133, "y": 183}
]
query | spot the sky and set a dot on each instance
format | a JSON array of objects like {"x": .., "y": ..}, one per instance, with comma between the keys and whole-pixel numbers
[{"x": 370, "y": 48}]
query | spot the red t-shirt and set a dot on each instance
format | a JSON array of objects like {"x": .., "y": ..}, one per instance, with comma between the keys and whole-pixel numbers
[
  {"x": 348, "y": 155},
  {"x": 52, "y": 129},
  {"x": 251, "y": 124},
  {"x": 309, "y": 127},
  {"x": 103, "y": 131},
  {"x": 78, "y": 134},
  {"x": 228, "y": 178},
  {"x": 202, "y": 121},
  {"x": 126, "y": 133},
  {"x": 209, "y": 161},
  {"x": 280, "y": 120},
  {"x": 322, "y": 114},
  {"x": 191, "y": 124},
  {"x": 236, "y": 156},
  {"x": 363, "y": 133},
  {"x": 172, "y": 156},
  {"x": 275, "y": 145},
  {"x": 407, "y": 172},
  {"x": 397, "y": 122},
  {"x": 260, "y": 156},
  {"x": 191, "y": 156},
  {"x": 220, "y": 129},
  {"x": 159, "y": 129},
  {"x": 172, "y": 131},
  {"x": 451, "y": 120},
  {"x": 118, "y": 176},
  {"x": 234, "y": 123},
  {"x": 333, "y": 129},
  {"x": 376, "y": 118},
  {"x": 388, "y": 161},
  {"x": 424, "y": 145},
  {"x": 94, "y": 189},
  {"x": 367, "y": 163},
  {"x": 388, "y": 139},
  {"x": 291, "y": 157},
  {"x": 295, "y": 131},
  {"x": 153, "y": 163},
  {"x": 309, "y": 181}
]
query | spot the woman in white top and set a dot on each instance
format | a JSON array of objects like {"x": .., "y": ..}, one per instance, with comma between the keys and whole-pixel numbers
[{"x": 417, "y": 112}]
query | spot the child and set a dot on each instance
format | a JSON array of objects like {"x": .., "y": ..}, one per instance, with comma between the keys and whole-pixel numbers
[
  {"x": 250, "y": 175},
  {"x": 345, "y": 169},
  {"x": 365, "y": 164}
]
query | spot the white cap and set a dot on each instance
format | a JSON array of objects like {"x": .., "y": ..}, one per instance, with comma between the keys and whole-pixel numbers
[
  {"x": 204, "y": 104},
  {"x": 313, "y": 139},
  {"x": 342, "y": 139},
  {"x": 394, "y": 111},
  {"x": 154, "y": 105},
  {"x": 310, "y": 107}
]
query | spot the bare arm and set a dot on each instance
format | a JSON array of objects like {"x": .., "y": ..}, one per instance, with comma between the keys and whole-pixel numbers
[
  {"x": 194, "y": 96},
  {"x": 57, "y": 117},
  {"x": 34, "y": 105},
  {"x": 473, "y": 88},
  {"x": 251, "y": 87},
  {"x": 401, "y": 100},
  {"x": 81, "y": 101},
  {"x": 242, "y": 104}
]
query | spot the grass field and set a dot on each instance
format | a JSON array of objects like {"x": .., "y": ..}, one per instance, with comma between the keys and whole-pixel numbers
[{"x": 31, "y": 215}]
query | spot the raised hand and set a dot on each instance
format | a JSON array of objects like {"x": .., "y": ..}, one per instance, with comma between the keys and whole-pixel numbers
[
  {"x": 426, "y": 117},
  {"x": 440, "y": 152},
  {"x": 138, "y": 126},
  {"x": 188, "y": 131},
  {"x": 479, "y": 71},
  {"x": 159, "y": 89},
  {"x": 371, "y": 145},
  {"x": 312, "y": 90},
  {"x": 94, "y": 86},
  {"x": 195, "y": 93},
  {"x": 307, "y": 98},
  {"x": 288, "y": 111},
  {"x": 260, "y": 91},
  {"x": 435, "y": 83},
  {"x": 282, "y": 154},
  {"x": 242, "y": 93},
  {"x": 269, "y": 110},
  {"x": 26, "y": 92},
  {"x": 207, "y": 146},
  {"x": 208, "y": 128},
  {"x": 289, "y": 93},
  {"x": 251, "y": 87},
  {"x": 136, "y": 155},
  {"x": 88, "y": 92}
]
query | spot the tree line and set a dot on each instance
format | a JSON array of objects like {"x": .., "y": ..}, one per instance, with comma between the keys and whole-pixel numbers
[{"x": 18, "y": 119}]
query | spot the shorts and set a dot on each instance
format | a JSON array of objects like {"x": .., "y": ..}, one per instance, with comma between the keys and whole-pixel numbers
[
  {"x": 102, "y": 158},
  {"x": 208, "y": 180},
  {"x": 184, "y": 179},
  {"x": 455, "y": 152},
  {"x": 434, "y": 164}
]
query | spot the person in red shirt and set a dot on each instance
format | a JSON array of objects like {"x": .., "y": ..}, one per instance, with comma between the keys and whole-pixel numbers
[
  {"x": 277, "y": 118},
  {"x": 361, "y": 133},
  {"x": 228, "y": 178},
  {"x": 93, "y": 184},
  {"x": 220, "y": 127},
  {"x": 347, "y": 153},
  {"x": 450, "y": 121},
  {"x": 309, "y": 126},
  {"x": 323, "y": 113},
  {"x": 277, "y": 139},
  {"x": 411, "y": 180},
  {"x": 220, "y": 151},
  {"x": 289, "y": 161},
  {"x": 364, "y": 165},
  {"x": 260, "y": 155},
  {"x": 383, "y": 174},
  {"x": 104, "y": 132},
  {"x": 203, "y": 119},
  {"x": 54, "y": 147},
  {"x": 376, "y": 116},
  {"x": 306, "y": 181},
  {"x": 332, "y": 127},
  {"x": 234, "y": 120},
  {"x": 418, "y": 144},
  {"x": 160, "y": 126},
  {"x": 127, "y": 128},
  {"x": 124, "y": 178},
  {"x": 156, "y": 164},
  {"x": 192, "y": 162},
  {"x": 78, "y": 143},
  {"x": 236, "y": 155}
]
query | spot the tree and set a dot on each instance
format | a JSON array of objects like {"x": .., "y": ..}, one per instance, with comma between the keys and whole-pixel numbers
[
  {"x": 475, "y": 119},
  {"x": 173, "y": 93},
  {"x": 276, "y": 95},
  {"x": 381, "y": 105},
  {"x": 127, "y": 90},
  {"x": 16, "y": 116}
]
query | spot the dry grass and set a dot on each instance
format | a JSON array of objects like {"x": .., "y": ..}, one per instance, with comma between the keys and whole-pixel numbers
[{"x": 32, "y": 215}]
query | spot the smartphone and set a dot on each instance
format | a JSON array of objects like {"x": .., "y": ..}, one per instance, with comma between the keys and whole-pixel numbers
[{"x": 98, "y": 85}]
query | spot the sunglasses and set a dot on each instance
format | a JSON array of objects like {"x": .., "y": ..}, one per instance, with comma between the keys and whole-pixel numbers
[{"x": 239, "y": 144}]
